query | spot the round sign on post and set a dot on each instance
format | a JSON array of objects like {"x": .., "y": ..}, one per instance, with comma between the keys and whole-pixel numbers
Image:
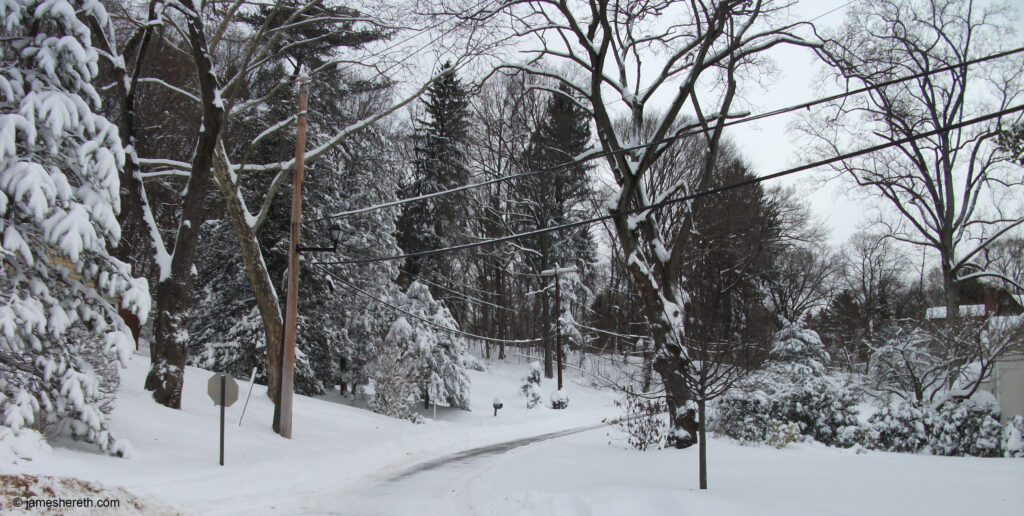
[{"x": 223, "y": 390}]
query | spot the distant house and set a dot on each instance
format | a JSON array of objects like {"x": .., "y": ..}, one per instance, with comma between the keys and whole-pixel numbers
[{"x": 1006, "y": 381}]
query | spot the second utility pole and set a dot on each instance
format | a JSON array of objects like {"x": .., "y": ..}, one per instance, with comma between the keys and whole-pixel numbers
[
  {"x": 283, "y": 407},
  {"x": 556, "y": 272}
]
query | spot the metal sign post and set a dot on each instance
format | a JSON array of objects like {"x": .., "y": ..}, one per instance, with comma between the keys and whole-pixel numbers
[
  {"x": 223, "y": 390},
  {"x": 252, "y": 381}
]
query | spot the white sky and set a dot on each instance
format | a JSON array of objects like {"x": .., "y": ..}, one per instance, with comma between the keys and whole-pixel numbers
[{"x": 769, "y": 145}]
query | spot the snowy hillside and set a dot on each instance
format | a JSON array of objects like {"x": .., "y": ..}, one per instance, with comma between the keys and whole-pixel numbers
[{"x": 175, "y": 453}]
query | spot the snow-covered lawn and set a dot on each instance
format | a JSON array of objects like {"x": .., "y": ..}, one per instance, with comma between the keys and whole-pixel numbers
[
  {"x": 340, "y": 453},
  {"x": 583, "y": 475}
]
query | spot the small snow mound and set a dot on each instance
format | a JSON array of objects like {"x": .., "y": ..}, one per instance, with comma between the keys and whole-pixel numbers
[
  {"x": 26, "y": 444},
  {"x": 985, "y": 398}
]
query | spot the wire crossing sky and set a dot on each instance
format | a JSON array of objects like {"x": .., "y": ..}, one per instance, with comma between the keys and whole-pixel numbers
[
  {"x": 692, "y": 130},
  {"x": 668, "y": 202}
]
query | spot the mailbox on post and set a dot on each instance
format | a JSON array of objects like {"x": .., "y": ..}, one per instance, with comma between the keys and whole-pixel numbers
[{"x": 497, "y": 405}]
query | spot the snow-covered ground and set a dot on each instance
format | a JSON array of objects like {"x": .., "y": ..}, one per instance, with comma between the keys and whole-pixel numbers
[
  {"x": 342, "y": 458},
  {"x": 175, "y": 453},
  {"x": 583, "y": 475}
]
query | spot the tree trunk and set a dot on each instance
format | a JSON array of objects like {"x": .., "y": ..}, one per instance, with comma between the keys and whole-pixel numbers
[
  {"x": 951, "y": 291},
  {"x": 255, "y": 269},
  {"x": 682, "y": 417},
  {"x": 174, "y": 292},
  {"x": 503, "y": 326}
]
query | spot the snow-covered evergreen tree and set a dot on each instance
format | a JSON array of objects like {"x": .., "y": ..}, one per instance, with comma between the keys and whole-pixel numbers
[
  {"x": 1013, "y": 437},
  {"x": 439, "y": 355},
  {"x": 799, "y": 349},
  {"x": 531, "y": 385},
  {"x": 440, "y": 164},
  {"x": 794, "y": 387},
  {"x": 396, "y": 378},
  {"x": 60, "y": 332}
]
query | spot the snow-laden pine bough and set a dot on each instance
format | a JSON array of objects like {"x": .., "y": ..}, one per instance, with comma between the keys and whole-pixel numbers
[{"x": 61, "y": 333}]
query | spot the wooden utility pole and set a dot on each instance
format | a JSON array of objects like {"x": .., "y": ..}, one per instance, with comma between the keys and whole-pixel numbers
[
  {"x": 558, "y": 327},
  {"x": 556, "y": 272},
  {"x": 283, "y": 407}
]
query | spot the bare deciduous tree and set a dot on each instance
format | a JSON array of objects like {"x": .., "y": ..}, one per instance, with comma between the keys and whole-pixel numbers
[
  {"x": 935, "y": 185},
  {"x": 627, "y": 54}
]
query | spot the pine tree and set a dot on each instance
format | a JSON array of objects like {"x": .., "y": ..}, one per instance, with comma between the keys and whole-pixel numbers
[
  {"x": 554, "y": 198},
  {"x": 799, "y": 349},
  {"x": 395, "y": 380},
  {"x": 438, "y": 355},
  {"x": 439, "y": 164},
  {"x": 60, "y": 332}
]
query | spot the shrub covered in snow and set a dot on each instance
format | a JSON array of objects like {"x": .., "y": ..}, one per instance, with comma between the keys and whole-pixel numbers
[
  {"x": 780, "y": 434},
  {"x": 559, "y": 399},
  {"x": 968, "y": 427},
  {"x": 531, "y": 386},
  {"x": 742, "y": 415},
  {"x": 792, "y": 388},
  {"x": 1013, "y": 437},
  {"x": 60, "y": 332},
  {"x": 822, "y": 406},
  {"x": 954, "y": 427},
  {"x": 901, "y": 427}
]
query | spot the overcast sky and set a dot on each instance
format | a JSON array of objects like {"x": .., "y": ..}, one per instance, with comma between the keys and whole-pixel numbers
[{"x": 770, "y": 145}]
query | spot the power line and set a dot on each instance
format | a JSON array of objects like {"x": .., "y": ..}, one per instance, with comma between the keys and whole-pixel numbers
[
  {"x": 418, "y": 318},
  {"x": 591, "y": 155},
  {"x": 824, "y": 14},
  {"x": 622, "y": 335},
  {"x": 667, "y": 202},
  {"x": 460, "y": 295}
]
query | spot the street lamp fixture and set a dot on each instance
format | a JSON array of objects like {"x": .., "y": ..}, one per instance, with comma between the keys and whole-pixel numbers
[{"x": 335, "y": 233}]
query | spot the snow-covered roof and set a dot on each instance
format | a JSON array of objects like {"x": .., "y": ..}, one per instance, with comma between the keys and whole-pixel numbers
[{"x": 939, "y": 312}]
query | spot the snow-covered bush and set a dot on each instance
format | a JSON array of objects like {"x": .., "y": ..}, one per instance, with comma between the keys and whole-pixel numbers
[
  {"x": 1013, "y": 437},
  {"x": 559, "y": 399},
  {"x": 438, "y": 354},
  {"x": 822, "y": 406},
  {"x": 742, "y": 416},
  {"x": 644, "y": 421},
  {"x": 792, "y": 388},
  {"x": 780, "y": 434},
  {"x": 954, "y": 427},
  {"x": 396, "y": 381},
  {"x": 968, "y": 427},
  {"x": 531, "y": 386},
  {"x": 60, "y": 332},
  {"x": 901, "y": 427}
]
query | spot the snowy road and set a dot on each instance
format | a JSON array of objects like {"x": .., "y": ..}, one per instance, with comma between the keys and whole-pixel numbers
[{"x": 435, "y": 486}]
